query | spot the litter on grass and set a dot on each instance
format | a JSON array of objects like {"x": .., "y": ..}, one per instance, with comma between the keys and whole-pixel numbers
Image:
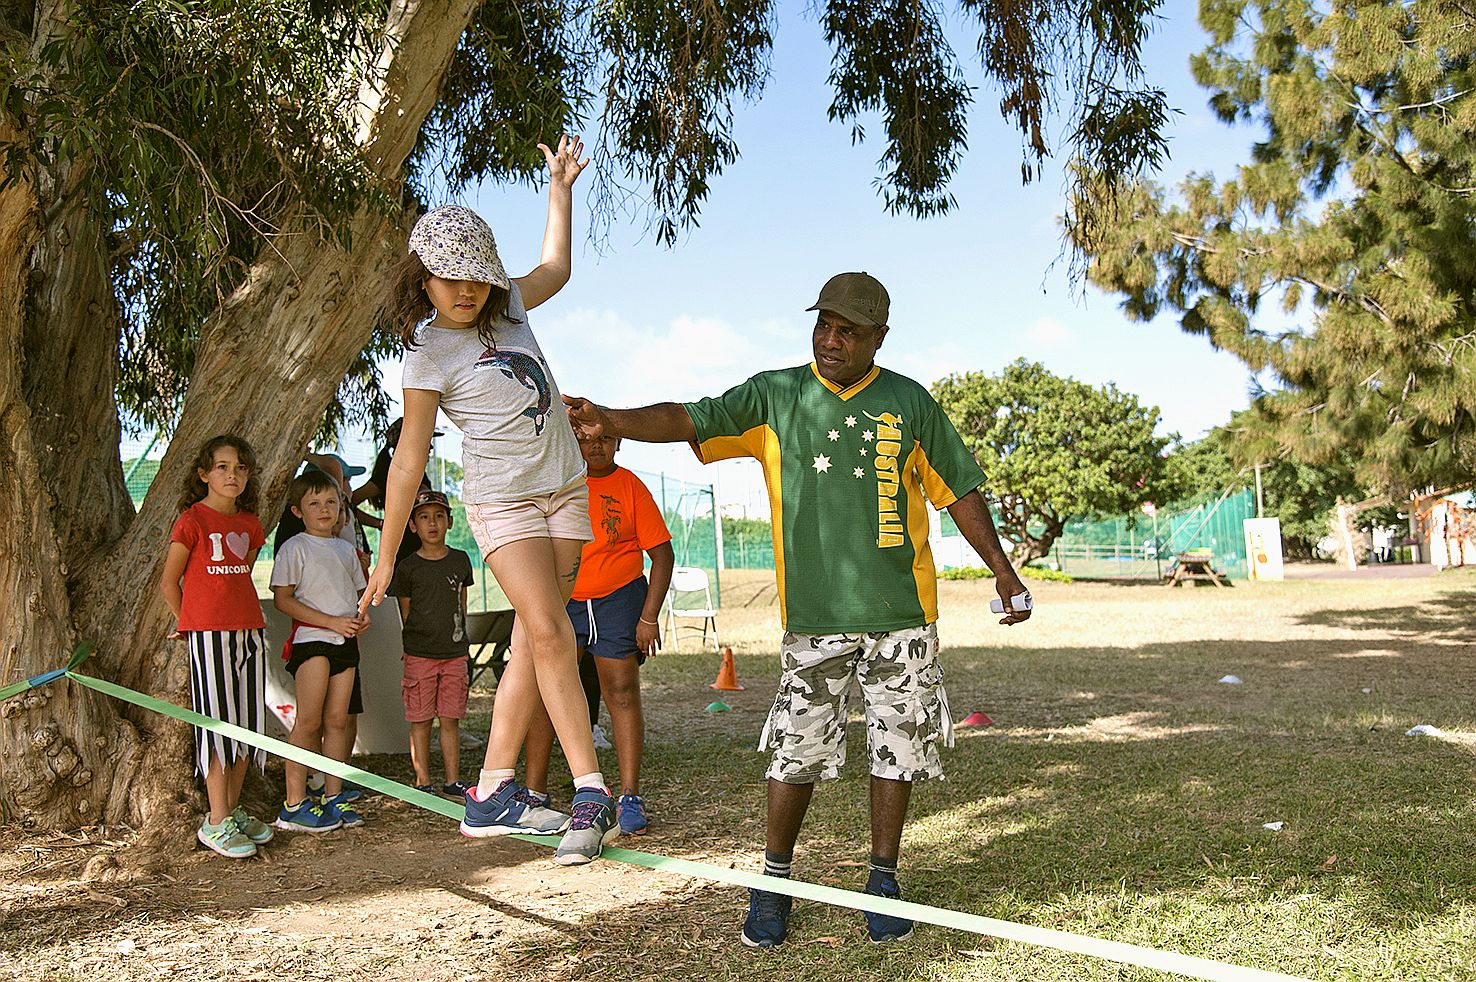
[
  {"x": 1425, "y": 729},
  {"x": 1230, "y": 680},
  {"x": 1273, "y": 826}
]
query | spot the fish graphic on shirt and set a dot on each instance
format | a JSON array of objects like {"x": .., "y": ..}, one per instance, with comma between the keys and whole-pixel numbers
[{"x": 528, "y": 372}]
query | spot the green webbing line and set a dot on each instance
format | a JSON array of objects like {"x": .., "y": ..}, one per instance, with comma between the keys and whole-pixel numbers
[
  {"x": 79, "y": 655},
  {"x": 1130, "y": 954}
]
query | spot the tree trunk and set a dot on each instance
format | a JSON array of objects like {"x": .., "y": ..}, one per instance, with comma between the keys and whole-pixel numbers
[{"x": 268, "y": 364}]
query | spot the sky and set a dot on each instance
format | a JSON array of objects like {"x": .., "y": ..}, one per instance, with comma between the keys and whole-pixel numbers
[{"x": 971, "y": 291}]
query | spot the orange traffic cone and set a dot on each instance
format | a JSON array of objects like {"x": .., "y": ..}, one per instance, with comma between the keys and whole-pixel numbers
[{"x": 727, "y": 680}]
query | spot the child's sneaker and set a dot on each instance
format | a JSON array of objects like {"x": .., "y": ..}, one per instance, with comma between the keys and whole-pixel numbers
[
  {"x": 308, "y": 815},
  {"x": 427, "y": 788},
  {"x": 347, "y": 814},
  {"x": 885, "y": 927},
  {"x": 225, "y": 839},
  {"x": 631, "y": 809},
  {"x": 315, "y": 783},
  {"x": 456, "y": 789},
  {"x": 506, "y": 811},
  {"x": 593, "y": 825},
  {"x": 601, "y": 738},
  {"x": 768, "y": 919},
  {"x": 254, "y": 829}
]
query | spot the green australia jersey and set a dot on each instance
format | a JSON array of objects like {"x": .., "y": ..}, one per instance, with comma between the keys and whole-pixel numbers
[{"x": 847, "y": 471}]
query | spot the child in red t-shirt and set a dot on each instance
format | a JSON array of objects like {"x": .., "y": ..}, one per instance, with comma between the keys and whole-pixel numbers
[
  {"x": 614, "y": 614},
  {"x": 207, "y": 583}
]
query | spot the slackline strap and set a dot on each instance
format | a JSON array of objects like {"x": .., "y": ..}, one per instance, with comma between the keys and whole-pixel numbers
[{"x": 1188, "y": 966}]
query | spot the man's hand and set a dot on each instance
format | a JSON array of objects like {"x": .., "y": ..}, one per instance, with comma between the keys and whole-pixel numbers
[
  {"x": 1009, "y": 586},
  {"x": 589, "y": 421}
]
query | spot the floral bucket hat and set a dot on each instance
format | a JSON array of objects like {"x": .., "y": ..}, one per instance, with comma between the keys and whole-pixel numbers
[{"x": 455, "y": 243}]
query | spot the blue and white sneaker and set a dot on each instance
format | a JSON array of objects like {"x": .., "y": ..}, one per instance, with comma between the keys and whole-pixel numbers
[
  {"x": 631, "y": 809},
  {"x": 506, "y": 811},
  {"x": 885, "y": 927},
  {"x": 341, "y": 804},
  {"x": 308, "y": 815},
  {"x": 593, "y": 826}
]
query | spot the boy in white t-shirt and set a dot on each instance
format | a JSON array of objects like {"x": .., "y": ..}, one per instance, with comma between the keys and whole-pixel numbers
[{"x": 316, "y": 580}]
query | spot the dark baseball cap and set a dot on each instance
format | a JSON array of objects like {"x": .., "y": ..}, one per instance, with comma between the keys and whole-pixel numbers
[
  {"x": 858, "y": 297},
  {"x": 392, "y": 432},
  {"x": 428, "y": 496}
]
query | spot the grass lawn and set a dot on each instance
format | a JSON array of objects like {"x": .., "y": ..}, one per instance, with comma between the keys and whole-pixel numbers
[{"x": 1122, "y": 793}]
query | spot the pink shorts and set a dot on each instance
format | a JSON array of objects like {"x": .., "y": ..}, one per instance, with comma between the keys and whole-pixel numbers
[
  {"x": 561, "y": 515},
  {"x": 434, "y": 687}
]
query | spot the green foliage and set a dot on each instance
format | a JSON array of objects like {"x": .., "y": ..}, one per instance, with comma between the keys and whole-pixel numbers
[
  {"x": 194, "y": 131},
  {"x": 1354, "y": 215},
  {"x": 1053, "y": 448},
  {"x": 985, "y": 573},
  {"x": 751, "y": 528}
]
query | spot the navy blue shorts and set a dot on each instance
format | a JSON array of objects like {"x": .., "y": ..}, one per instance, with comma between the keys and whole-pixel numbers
[{"x": 606, "y": 626}]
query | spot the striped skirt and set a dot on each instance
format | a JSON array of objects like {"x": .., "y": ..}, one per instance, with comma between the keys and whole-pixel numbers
[{"x": 228, "y": 683}]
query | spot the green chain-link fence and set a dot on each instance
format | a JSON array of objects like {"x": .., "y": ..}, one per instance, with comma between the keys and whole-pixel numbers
[{"x": 1138, "y": 546}]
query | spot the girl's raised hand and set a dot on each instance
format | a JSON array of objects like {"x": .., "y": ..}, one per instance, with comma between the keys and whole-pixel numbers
[{"x": 564, "y": 166}]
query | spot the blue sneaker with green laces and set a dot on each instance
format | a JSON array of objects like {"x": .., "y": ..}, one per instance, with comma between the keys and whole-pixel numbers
[
  {"x": 308, "y": 815},
  {"x": 341, "y": 804}
]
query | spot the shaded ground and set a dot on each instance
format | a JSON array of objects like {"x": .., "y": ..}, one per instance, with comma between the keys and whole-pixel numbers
[{"x": 1122, "y": 793}]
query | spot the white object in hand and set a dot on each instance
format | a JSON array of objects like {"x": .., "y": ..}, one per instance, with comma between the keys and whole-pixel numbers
[{"x": 1019, "y": 602}]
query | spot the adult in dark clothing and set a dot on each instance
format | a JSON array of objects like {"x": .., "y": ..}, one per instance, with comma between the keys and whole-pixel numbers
[{"x": 372, "y": 490}]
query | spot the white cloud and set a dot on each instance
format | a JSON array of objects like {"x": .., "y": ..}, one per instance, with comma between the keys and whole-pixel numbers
[{"x": 1047, "y": 332}]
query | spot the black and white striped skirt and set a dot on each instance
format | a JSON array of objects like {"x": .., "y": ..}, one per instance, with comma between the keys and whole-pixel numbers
[{"x": 228, "y": 683}]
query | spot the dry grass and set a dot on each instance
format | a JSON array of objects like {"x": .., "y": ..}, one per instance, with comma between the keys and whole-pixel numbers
[{"x": 1122, "y": 793}]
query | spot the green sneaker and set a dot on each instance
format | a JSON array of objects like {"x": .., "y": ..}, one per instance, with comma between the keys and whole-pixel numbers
[
  {"x": 226, "y": 839},
  {"x": 254, "y": 829}
]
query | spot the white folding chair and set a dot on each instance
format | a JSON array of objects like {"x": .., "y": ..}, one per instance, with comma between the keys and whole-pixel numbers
[{"x": 688, "y": 583}]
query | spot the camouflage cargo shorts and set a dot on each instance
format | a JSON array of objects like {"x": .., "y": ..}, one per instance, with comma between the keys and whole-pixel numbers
[{"x": 901, "y": 687}]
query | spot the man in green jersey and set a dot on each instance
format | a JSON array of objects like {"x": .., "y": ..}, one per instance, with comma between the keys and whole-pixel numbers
[{"x": 852, "y": 454}]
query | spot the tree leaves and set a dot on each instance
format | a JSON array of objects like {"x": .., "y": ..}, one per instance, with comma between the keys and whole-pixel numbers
[{"x": 1053, "y": 448}]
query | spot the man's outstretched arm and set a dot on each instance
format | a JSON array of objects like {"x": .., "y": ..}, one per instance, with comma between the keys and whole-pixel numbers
[
  {"x": 665, "y": 422},
  {"x": 972, "y": 516}
]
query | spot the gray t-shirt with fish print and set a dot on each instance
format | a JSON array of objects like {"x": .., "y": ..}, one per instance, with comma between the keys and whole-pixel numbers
[{"x": 516, "y": 438}]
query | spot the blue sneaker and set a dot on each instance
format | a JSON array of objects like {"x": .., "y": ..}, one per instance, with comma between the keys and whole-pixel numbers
[
  {"x": 308, "y": 815},
  {"x": 631, "y": 809},
  {"x": 592, "y": 827},
  {"x": 506, "y": 811},
  {"x": 341, "y": 804},
  {"x": 885, "y": 927},
  {"x": 768, "y": 919}
]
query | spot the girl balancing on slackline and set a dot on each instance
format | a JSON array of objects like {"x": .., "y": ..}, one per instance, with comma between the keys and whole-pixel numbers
[{"x": 470, "y": 351}]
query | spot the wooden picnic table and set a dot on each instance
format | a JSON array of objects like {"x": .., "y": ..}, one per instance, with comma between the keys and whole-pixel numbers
[{"x": 1195, "y": 566}]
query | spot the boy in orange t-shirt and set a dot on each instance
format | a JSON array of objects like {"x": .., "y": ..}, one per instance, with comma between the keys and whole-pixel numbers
[{"x": 614, "y": 613}]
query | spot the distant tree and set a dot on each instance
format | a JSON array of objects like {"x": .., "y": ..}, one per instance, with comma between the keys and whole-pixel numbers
[
  {"x": 1053, "y": 448},
  {"x": 1355, "y": 215}
]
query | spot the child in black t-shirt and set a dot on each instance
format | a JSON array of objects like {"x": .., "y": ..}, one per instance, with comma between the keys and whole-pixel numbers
[{"x": 431, "y": 586}]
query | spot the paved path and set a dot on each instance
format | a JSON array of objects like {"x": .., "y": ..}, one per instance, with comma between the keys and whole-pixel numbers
[{"x": 1375, "y": 571}]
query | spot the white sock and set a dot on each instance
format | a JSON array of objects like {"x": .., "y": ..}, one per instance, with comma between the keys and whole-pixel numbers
[
  {"x": 594, "y": 779},
  {"x": 488, "y": 780}
]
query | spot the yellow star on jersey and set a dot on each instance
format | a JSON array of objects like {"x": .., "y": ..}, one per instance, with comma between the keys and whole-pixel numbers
[
  {"x": 859, "y": 472},
  {"x": 832, "y": 436},
  {"x": 850, "y": 421},
  {"x": 822, "y": 464}
]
